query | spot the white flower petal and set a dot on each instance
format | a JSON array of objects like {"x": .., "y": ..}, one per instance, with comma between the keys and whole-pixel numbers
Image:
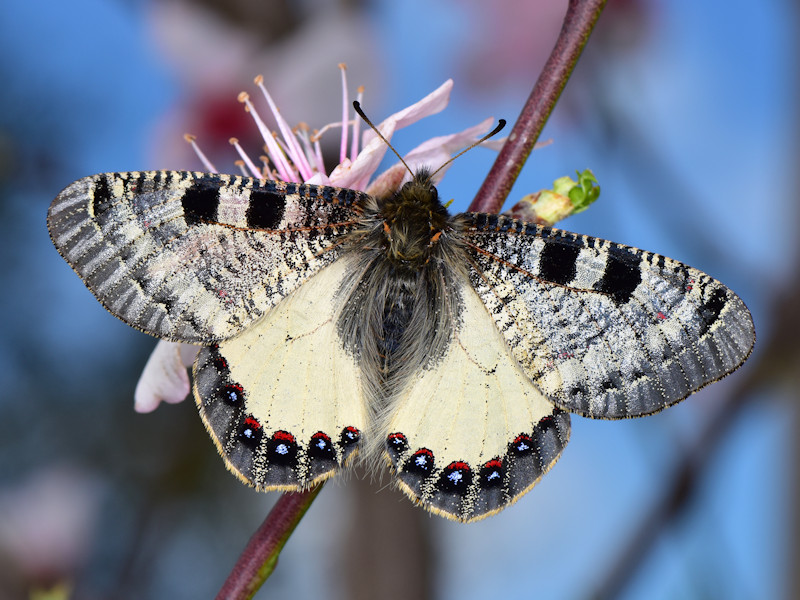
[{"x": 164, "y": 378}]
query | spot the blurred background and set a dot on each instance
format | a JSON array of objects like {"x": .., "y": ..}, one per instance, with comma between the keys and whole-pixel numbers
[{"x": 686, "y": 112}]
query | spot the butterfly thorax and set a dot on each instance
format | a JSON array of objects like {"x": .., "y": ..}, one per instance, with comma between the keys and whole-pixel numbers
[
  {"x": 413, "y": 221},
  {"x": 402, "y": 300}
]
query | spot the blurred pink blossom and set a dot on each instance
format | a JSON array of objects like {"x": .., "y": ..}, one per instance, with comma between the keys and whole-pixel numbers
[{"x": 47, "y": 523}]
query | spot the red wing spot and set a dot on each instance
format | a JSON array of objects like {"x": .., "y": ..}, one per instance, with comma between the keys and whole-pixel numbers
[
  {"x": 421, "y": 462},
  {"x": 495, "y": 463},
  {"x": 398, "y": 442},
  {"x": 523, "y": 444},
  {"x": 458, "y": 465},
  {"x": 251, "y": 422},
  {"x": 661, "y": 316},
  {"x": 283, "y": 436},
  {"x": 350, "y": 435}
]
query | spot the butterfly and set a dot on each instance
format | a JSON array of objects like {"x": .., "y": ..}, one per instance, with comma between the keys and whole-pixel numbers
[{"x": 332, "y": 322}]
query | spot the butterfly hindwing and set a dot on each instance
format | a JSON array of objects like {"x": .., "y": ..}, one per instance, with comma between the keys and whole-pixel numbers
[
  {"x": 283, "y": 400},
  {"x": 196, "y": 257},
  {"x": 602, "y": 329},
  {"x": 470, "y": 433}
]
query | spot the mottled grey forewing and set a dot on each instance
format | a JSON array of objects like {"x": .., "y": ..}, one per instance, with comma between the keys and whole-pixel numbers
[
  {"x": 604, "y": 330},
  {"x": 196, "y": 257}
]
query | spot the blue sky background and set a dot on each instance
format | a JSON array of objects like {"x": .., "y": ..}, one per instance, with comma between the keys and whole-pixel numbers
[{"x": 692, "y": 133}]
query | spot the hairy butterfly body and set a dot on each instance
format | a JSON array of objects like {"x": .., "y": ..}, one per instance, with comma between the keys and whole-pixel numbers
[{"x": 334, "y": 322}]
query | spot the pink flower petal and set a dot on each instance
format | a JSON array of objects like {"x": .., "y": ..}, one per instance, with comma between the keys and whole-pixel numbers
[
  {"x": 431, "y": 104},
  {"x": 48, "y": 523},
  {"x": 357, "y": 174},
  {"x": 164, "y": 378}
]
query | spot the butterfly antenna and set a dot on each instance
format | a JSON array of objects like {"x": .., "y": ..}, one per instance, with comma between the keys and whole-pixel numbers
[
  {"x": 361, "y": 114},
  {"x": 500, "y": 124}
]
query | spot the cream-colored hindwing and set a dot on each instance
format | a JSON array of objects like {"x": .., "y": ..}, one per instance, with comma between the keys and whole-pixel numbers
[
  {"x": 470, "y": 433},
  {"x": 284, "y": 400}
]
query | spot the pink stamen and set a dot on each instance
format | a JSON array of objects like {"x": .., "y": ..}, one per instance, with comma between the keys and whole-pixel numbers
[
  {"x": 282, "y": 166},
  {"x": 242, "y": 168},
  {"x": 203, "y": 158},
  {"x": 345, "y": 113},
  {"x": 254, "y": 170},
  {"x": 293, "y": 148},
  {"x": 318, "y": 153},
  {"x": 318, "y": 134},
  {"x": 267, "y": 172},
  {"x": 302, "y": 133},
  {"x": 356, "y": 126}
]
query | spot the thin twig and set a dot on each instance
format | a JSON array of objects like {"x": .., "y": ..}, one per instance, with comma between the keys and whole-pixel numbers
[
  {"x": 260, "y": 556},
  {"x": 579, "y": 21}
]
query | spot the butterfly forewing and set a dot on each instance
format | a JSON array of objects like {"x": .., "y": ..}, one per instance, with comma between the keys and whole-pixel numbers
[
  {"x": 603, "y": 329},
  {"x": 471, "y": 433},
  {"x": 196, "y": 257}
]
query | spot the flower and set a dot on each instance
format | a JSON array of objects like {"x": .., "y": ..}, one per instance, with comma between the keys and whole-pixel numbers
[{"x": 294, "y": 154}]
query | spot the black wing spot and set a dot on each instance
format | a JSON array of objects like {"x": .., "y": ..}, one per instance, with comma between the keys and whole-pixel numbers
[
  {"x": 321, "y": 447},
  {"x": 101, "y": 194},
  {"x": 200, "y": 202},
  {"x": 711, "y": 309},
  {"x": 557, "y": 262},
  {"x": 250, "y": 432},
  {"x": 266, "y": 209},
  {"x": 420, "y": 463},
  {"x": 455, "y": 478},
  {"x": 622, "y": 274},
  {"x": 492, "y": 474},
  {"x": 282, "y": 449}
]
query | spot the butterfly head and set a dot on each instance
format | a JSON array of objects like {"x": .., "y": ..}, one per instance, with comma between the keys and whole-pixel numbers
[{"x": 413, "y": 221}]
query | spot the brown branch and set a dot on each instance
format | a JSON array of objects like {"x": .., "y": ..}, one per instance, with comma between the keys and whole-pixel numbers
[
  {"x": 579, "y": 21},
  {"x": 260, "y": 556}
]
